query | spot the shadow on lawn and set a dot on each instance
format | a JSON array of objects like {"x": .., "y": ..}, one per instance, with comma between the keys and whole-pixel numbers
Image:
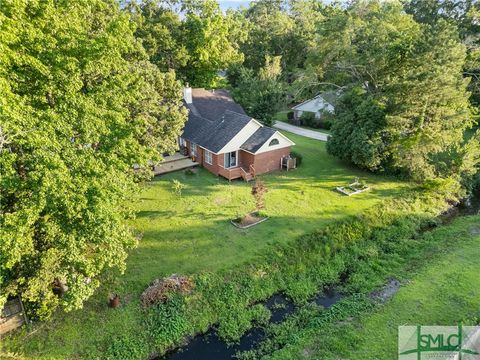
[
  {"x": 297, "y": 180},
  {"x": 156, "y": 213},
  {"x": 193, "y": 215},
  {"x": 203, "y": 244},
  {"x": 319, "y": 170},
  {"x": 328, "y": 179},
  {"x": 294, "y": 185}
]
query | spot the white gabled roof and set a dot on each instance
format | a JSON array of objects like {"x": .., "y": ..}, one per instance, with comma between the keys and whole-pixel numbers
[{"x": 313, "y": 105}]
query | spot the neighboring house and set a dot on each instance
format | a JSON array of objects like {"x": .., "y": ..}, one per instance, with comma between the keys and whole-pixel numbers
[
  {"x": 225, "y": 140},
  {"x": 324, "y": 102}
]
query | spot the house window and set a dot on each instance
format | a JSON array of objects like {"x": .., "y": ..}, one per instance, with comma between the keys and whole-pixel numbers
[
  {"x": 230, "y": 159},
  {"x": 193, "y": 149},
  {"x": 273, "y": 142},
  {"x": 208, "y": 157}
]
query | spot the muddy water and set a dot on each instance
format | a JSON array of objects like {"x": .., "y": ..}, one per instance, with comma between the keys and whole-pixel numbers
[
  {"x": 209, "y": 346},
  {"x": 470, "y": 206}
]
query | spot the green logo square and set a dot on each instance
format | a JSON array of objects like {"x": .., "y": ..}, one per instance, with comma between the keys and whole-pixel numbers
[{"x": 439, "y": 342}]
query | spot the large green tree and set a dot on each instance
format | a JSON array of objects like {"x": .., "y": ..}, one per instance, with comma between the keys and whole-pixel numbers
[
  {"x": 80, "y": 106},
  {"x": 408, "y": 108},
  {"x": 285, "y": 28},
  {"x": 261, "y": 94},
  {"x": 269, "y": 26},
  {"x": 465, "y": 15},
  {"x": 159, "y": 27},
  {"x": 193, "y": 37},
  {"x": 211, "y": 40}
]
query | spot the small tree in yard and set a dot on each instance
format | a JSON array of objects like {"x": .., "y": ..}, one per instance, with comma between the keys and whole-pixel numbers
[
  {"x": 177, "y": 186},
  {"x": 258, "y": 191}
]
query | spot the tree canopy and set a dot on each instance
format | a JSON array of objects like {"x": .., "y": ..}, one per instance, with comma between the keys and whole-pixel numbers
[
  {"x": 406, "y": 104},
  {"x": 80, "y": 106},
  {"x": 194, "y": 38},
  {"x": 260, "y": 94},
  {"x": 465, "y": 16}
]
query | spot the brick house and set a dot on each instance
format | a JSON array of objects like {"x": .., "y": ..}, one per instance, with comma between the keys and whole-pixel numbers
[{"x": 225, "y": 140}]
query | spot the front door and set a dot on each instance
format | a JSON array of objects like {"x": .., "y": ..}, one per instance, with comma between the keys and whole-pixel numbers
[{"x": 230, "y": 159}]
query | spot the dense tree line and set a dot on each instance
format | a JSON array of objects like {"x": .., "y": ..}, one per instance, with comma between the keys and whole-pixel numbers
[
  {"x": 192, "y": 37},
  {"x": 406, "y": 74},
  {"x": 405, "y": 103},
  {"x": 92, "y": 88}
]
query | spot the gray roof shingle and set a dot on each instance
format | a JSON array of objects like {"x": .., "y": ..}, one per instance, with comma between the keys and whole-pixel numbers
[
  {"x": 259, "y": 137},
  {"x": 196, "y": 127},
  {"x": 213, "y": 119},
  {"x": 211, "y": 104},
  {"x": 219, "y": 134}
]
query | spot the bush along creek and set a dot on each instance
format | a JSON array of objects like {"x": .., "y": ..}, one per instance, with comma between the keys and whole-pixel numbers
[
  {"x": 358, "y": 254},
  {"x": 273, "y": 311}
]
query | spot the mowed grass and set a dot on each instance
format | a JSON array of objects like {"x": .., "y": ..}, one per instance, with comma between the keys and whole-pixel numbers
[
  {"x": 446, "y": 291},
  {"x": 191, "y": 232}
]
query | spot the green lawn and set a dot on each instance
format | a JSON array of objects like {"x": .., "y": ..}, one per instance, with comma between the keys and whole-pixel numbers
[
  {"x": 192, "y": 233},
  {"x": 446, "y": 291}
]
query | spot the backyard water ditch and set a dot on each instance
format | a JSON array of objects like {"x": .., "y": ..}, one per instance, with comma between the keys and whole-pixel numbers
[
  {"x": 470, "y": 206},
  {"x": 209, "y": 346}
]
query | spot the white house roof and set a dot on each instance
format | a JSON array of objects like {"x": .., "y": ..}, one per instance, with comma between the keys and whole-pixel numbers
[{"x": 318, "y": 103}]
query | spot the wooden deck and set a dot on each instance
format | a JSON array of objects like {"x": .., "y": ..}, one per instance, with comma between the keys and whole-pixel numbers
[
  {"x": 173, "y": 163},
  {"x": 12, "y": 316},
  {"x": 236, "y": 173}
]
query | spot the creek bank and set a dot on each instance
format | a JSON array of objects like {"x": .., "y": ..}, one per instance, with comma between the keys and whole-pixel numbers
[{"x": 209, "y": 346}]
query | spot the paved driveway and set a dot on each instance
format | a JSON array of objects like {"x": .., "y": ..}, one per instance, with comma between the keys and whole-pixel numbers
[{"x": 301, "y": 131}]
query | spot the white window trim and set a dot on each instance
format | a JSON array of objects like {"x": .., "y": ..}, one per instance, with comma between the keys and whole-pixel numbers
[
  {"x": 183, "y": 142},
  {"x": 207, "y": 156},
  {"x": 236, "y": 159},
  {"x": 193, "y": 149},
  {"x": 265, "y": 148}
]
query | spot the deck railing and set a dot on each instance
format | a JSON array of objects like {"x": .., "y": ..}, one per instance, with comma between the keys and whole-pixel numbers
[
  {"x": 252, "y": 170},
  {"x": 230, "y": 174},
  {"x": 245, "y": 175}
]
